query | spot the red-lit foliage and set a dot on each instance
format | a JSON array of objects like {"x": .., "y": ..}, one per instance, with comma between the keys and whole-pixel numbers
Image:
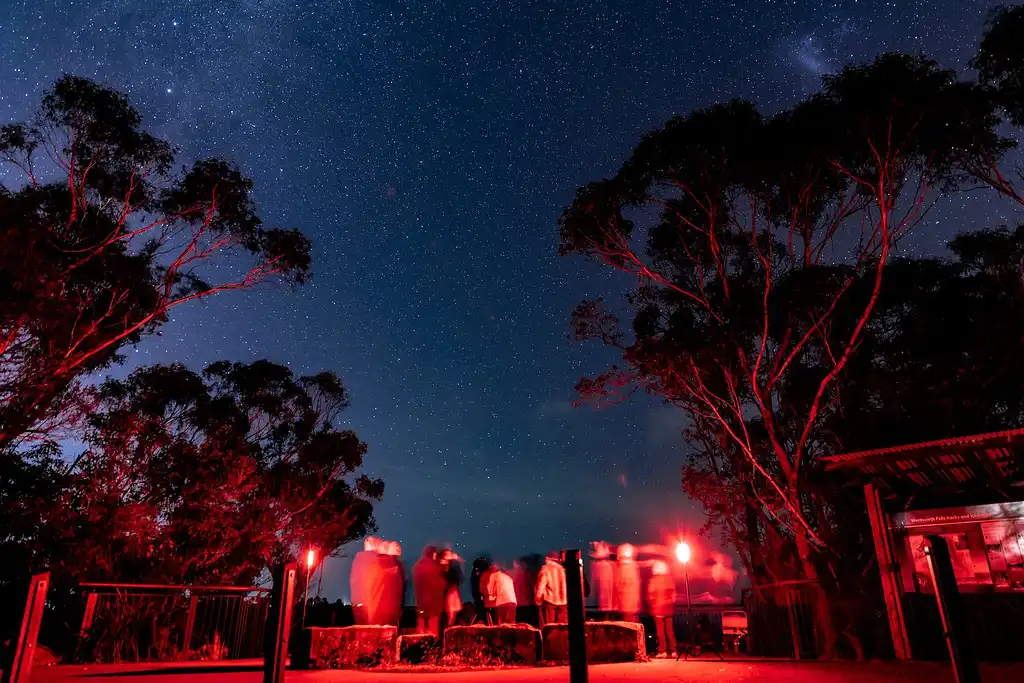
[
  {"x": 99, "y": 240},
  {"x": 198, "y": 478},
  {"x": 760, "y": 247}
]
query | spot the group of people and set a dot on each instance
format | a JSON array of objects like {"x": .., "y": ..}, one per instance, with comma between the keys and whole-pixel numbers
[
  {"x": 615, "y": 588},
  {"x": 377, "y": 583}
]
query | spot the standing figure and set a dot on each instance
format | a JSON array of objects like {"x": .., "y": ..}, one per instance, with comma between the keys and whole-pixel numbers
[
  {"x": 478, "y": 589},
  {"x": 451, "y": 565},
  {"x": 627, "y": 584},
  {"x": 365, "y": 567},
  {"x": 549, "y": 594},
  {"x": 661, "y": 595},
  {"x": 501, "y": 592},
  {"x": 393, "y": 596},
  {"x": 602, "y": 578},
  {"x": 429, "y": 584}
]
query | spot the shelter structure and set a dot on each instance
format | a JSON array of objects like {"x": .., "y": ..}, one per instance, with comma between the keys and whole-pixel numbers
[{"x": 968, "y": 490}]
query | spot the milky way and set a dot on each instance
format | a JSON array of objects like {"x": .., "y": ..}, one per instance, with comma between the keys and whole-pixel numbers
[{"x": 427, "y": 149}]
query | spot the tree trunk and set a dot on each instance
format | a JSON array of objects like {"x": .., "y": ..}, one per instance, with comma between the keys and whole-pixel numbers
[{"x": 824, "y": 626}]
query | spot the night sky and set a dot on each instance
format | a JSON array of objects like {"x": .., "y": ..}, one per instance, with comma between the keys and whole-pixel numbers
[{"x": 427, "y": 148}]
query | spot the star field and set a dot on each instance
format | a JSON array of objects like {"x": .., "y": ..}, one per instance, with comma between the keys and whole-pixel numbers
[{"x": 427, "y": 149}]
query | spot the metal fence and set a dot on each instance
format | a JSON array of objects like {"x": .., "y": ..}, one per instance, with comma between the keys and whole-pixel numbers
[
  {"x": 145, "y": 623},
  {"x": 782, "y": 619}
]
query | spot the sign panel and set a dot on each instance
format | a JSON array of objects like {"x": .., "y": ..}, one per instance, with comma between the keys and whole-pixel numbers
[{"x": 986, "y": 545}]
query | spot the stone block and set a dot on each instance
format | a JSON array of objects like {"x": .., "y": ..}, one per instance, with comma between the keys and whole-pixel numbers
[
  {"x": 351, "y": 646},
  {"x": 478, "y": 645},
  {"x": 418, "y": 648},
  {"x": 607, "y": 641}
]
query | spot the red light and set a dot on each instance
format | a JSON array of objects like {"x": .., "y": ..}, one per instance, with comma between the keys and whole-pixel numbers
[
  {"x": 310, "y": 558},
  {"x": 683, "y": 552}
]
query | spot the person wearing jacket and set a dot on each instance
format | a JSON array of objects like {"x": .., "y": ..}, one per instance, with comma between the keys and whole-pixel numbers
[
  {"x": 451, "y": 566},
  {"x": 661, "y": 596},
  {"x": 365, "y": 571},
  {"x": 501, "y": 592},
  {"x": 549, "y": 593},
  {"x": 429, "y": 584},
  {"x": 602, "y": 578},
  {"x": 393, "y": 596},
  {"x": 479, "y": 589},
  {"x": 627, "y": 584}
]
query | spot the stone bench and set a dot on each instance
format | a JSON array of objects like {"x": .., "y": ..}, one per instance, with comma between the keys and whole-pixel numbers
[
  {"x": 348, "y": 647},
  {"x": 607, "y": 641},
  {"x": 481, "y": 645}
]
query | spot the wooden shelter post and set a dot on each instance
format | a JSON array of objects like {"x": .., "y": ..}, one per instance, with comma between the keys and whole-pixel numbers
[{"x": 888, "y": 570}]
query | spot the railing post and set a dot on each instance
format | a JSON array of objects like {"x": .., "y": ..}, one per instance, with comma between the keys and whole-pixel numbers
[
  {"x": 88, "y": 615},
  {"x": 947, "y": 595},
  {"x": 279, "y": 622},
  {"x": 19, "y": 668},
  {"x": 190, "y": 625},
  {"x": 577, "y": 633},
  {"x": 791, "y": 613}
]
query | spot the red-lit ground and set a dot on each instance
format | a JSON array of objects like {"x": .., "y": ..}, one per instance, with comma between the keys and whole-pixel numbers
[{"x": 700, "y": 671}]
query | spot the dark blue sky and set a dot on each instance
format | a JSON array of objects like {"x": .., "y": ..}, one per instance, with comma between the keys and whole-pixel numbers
[{"x": 427, "y": 148}]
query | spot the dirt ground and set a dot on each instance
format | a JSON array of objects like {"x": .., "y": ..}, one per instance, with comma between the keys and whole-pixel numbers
[{"x": 694, "y": 671}]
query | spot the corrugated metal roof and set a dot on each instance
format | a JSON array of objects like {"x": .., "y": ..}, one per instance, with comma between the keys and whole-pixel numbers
[{"x": 998, "y": 442}]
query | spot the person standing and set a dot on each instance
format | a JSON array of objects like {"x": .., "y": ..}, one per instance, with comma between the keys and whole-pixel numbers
[
  {"x": 549, "y": 593},
  {"x": 501, "y": 592},
  {"x": 627, "y": 584},
  {"x": 479, "y": 589},
  {"x": 365, "y": 566},
  {"x": 393, "y": 596},
  {"x": 661, "y": 595},
  {"x": 429, "y": 584},
  {"x": 602, "y": 579},
  {"x": 452, "y": 569}
]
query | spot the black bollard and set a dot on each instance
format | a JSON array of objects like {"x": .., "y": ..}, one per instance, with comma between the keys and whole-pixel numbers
[
  {"x": 279, "y": 623},
  {"x": 947, "y": 595},
  {"x": 577, "y": 619}
]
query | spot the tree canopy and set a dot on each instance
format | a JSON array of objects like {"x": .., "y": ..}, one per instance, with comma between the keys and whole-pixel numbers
[
  {"x": 763, "y": 248},
  {"x": 187, "y": 477},
  {"x": 100, "y": 236}
]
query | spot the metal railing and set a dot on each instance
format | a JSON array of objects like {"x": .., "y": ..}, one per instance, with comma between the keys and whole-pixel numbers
[
  {"x": 151, "y": 622},
  {"x": 782, "y": 619}
]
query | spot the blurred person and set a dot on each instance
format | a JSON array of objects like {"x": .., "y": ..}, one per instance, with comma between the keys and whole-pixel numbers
[
  {"x": 549, "y": 593},
  {"x": 365, "y": 570},
  {"x": 602, "y": 578},
  {"x": 451, "y": 565},
  {"x": 429, "y": 584},
  {"x": 393, "y": 596},
  {"x": 627, "y": 583},
  {"x": 478, "y": 589},
  {"x": 501, "y": 593},
  {"x": 661, "y": 596},
  {"x": 524, "y": 586}
]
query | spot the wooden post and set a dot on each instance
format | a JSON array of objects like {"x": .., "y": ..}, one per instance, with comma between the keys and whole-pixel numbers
[
  {"x": 577, "y": 633},
  {"x": 947, "y": 595},
  {"x": 88, "y": 615},
  {"x": 888, "y": 570},
  {"x": 20, "y": 665},
  {"x": 190, "y": 625},
  {"x": 279, "y": 623}
]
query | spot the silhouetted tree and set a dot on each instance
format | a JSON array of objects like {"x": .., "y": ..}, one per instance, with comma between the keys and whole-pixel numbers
[
  {"x": 195, "y": 478},
  {"x": 760, "y": 247},
  {"x": 99, "y": 239}
]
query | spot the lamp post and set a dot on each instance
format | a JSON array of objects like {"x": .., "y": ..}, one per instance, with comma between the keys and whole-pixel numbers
[
  {"x": 310, "y": 563},
  {"x": 683, "y": 555}
]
